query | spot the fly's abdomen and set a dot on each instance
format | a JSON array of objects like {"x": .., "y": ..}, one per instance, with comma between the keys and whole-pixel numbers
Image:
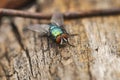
[{"x": 55, "y": 31}]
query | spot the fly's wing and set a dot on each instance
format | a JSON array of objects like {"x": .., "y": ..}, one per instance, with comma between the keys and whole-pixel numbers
[
  {"x": 43, "y": 29},
  {"x": 57, "y": 19}
]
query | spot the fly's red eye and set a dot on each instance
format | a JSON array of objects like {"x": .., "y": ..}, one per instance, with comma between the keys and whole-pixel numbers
[{"x": 58, "y": 39}]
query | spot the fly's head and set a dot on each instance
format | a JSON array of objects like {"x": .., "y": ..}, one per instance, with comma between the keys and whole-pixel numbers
[{"x": 62, "y": 39}]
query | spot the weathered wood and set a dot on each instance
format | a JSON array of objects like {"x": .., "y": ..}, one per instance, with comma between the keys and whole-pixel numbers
[{"x": 95, "y": 57}]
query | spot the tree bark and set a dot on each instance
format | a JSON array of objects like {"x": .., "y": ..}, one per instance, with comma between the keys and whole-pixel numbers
[{"x": 94, "y": 57}]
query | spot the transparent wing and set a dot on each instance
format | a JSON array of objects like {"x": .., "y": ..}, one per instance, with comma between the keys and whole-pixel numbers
[
  {"x": 43, "y": 29},
  {"x": 57, "y": 18}
]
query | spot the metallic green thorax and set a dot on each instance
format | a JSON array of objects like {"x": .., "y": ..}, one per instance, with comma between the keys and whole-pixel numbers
[{"x": 55, "y": 30}]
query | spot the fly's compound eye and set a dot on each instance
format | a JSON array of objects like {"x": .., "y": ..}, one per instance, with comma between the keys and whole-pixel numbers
[{"x": 58, "y": 39}]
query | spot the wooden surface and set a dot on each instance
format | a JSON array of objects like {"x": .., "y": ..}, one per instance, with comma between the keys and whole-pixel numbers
[{"x": 95, "y": 57}]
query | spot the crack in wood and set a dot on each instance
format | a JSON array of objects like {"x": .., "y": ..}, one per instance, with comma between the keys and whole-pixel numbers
[
  {"x": 3, "y": 68},
  {"x": 35, "y": 42},
  {"x": 89, "y": 72},
  {"x": 7, "y": 57},
  {"x": 29, "y": 59},
  {"x": 17, "y": 76},
  {"x": 17, "y": 34},
  {"x": 7, "y": 75}
]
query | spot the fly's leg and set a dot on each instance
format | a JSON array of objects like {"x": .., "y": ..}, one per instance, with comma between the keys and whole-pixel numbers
[
  {"x": 71, "y": 35},
  {"x": 51, "y": 43},
  {"x": 70, "y": 43}
]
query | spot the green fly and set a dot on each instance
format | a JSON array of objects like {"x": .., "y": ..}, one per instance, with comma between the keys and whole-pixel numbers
[{"x": 55, "y": 30}]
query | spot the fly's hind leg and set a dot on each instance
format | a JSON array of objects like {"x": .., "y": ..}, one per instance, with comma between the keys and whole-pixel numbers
[{"x": 50, "y": 43}]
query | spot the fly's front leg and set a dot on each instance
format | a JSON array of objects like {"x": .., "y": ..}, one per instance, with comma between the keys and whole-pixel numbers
[{"x": 69, "y": 34}]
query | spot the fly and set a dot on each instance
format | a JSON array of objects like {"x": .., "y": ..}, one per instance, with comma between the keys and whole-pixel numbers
[{"x": 55, "y": 30}]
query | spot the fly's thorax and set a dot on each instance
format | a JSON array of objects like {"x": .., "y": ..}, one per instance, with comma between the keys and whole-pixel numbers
[{"x": 55, "y": 31}]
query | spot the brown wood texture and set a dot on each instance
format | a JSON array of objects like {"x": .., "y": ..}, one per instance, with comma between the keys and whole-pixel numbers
[{"x": 95, "y": 57}]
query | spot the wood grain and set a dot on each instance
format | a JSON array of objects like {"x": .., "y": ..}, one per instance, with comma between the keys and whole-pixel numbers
[{"x": 95, "y": 57}]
